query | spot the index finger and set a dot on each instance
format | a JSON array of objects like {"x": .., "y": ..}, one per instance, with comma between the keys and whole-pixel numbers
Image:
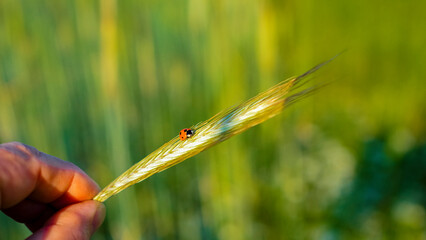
[{"x": 26, "y": 172}]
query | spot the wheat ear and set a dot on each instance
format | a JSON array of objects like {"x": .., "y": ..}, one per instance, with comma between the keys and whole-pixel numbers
[{"x": 220, "y": 127}]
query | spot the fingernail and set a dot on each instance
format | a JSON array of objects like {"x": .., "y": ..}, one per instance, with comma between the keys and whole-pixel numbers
[{"x": 99, "y": 216}]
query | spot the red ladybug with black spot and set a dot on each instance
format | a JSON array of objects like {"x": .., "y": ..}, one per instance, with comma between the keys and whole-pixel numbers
[{"x": 186, "y": 133}]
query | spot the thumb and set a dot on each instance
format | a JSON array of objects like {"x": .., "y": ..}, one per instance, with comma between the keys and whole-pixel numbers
[{"x": 76, "y": 221}]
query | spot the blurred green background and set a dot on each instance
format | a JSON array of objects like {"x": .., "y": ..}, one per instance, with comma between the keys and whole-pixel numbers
[{"x": 102, "y": 84}]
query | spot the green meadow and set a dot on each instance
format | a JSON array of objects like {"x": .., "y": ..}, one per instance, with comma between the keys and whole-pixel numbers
[{"x": 104, "y": 83}]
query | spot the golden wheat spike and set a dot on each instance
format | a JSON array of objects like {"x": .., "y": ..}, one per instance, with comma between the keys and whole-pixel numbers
[{"x": 215, "y": 130}]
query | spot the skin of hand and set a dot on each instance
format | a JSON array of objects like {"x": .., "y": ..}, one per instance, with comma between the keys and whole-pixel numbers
[{"x": 50, "y": 196}]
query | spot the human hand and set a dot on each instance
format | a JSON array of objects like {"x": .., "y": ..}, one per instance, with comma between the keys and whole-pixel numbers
[{"x": 50, "y": 196}]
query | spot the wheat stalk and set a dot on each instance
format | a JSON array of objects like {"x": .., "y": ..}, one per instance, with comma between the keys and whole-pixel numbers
[{"x": 215, "y": 130}]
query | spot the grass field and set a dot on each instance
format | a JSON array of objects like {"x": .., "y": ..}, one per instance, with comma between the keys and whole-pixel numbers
[{"x": 103, "y": 84}]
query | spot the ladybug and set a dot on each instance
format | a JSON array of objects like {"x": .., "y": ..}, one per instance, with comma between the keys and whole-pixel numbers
[{"x": 186, "y": 133}]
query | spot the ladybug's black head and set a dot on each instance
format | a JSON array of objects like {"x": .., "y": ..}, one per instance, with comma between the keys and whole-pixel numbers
[{"x": 189, "y": 133}]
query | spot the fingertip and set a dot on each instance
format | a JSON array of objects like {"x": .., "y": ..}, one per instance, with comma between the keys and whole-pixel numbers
[
  {"x": 99, "y": 216},
  {"x": 91, "y": 214},
  {"x": 77, "y": 221}
]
